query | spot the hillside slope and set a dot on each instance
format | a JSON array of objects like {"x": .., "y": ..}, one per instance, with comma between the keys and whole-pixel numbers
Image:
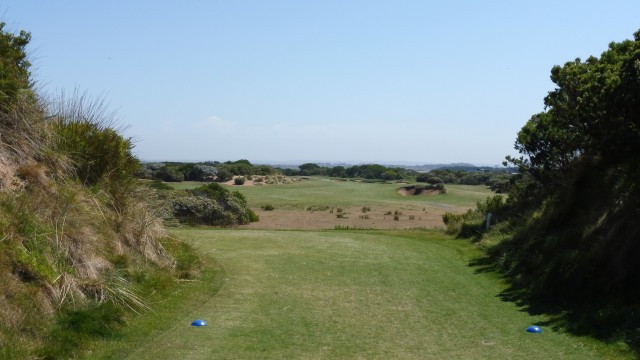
[{"x": 79, "y": 244}]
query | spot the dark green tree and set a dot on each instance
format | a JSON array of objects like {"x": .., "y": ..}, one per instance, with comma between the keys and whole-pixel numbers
[
  {"x": 576, "y": 202},
  {"x": 15, "y": 78},
  {"x": 310, "y": 169},
  {"x": 223, "y": 175},
  {"x": 593, "y": 112}
]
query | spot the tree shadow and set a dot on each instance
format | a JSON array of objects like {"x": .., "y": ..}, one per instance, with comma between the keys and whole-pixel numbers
[{"x": 604, "y": 319}]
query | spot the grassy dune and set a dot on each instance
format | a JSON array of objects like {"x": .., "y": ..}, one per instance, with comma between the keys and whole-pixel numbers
[{"x": 343, "y": 295}]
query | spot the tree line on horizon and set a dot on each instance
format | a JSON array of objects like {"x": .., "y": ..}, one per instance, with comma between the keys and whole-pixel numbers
[{"x": 496, "y": 178}]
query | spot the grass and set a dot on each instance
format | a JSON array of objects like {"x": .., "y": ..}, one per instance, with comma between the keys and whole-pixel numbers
[
  {"x": 342, "y": 295},
  {"x": 319, "y": 192}
]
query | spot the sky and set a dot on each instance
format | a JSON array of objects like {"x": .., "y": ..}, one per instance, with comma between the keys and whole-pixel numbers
[{"x": 287, "y": 81}]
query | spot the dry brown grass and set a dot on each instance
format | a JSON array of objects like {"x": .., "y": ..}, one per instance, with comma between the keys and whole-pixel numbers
[
  {"x": 58, "y": 238},
  {"x": 376, "y": 218}
]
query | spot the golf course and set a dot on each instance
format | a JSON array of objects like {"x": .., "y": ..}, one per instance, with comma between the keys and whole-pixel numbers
[
  {"x": 342, "y": 293},
  {"x": 319, "y": 180}
]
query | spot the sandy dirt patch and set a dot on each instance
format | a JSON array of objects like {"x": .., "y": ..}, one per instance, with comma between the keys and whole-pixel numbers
[
  {"x": 411, "y": 191},
  {"x": 352, "y": 218}
]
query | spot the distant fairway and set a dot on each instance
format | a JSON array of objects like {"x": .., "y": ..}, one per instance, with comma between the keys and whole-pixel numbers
[
  {"x": 311, "y": 204},
  {"x": 341, "y": 295},
  {"x": 327, "y": 192}
]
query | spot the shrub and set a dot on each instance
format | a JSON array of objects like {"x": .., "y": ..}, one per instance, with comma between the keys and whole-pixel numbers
[
  {"x": 434, "y": 180},
  {"x": 169, "y": 174},
  {"x": 214, "y": 191},
  {"x": 268, "y": 207},
  {"x": 239, "y": 181},
  {"x": 14, "y": 72},
  {"x": 159, "y": 185},
  {"x": 212, "y": 204},
  {"x": 99, "y": 154},
  {"x": 223, "y": 175},
  {"x": 253, "y": 217}
]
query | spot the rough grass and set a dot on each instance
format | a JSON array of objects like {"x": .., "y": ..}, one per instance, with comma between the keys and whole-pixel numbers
[{"x": 343, "y": 295}]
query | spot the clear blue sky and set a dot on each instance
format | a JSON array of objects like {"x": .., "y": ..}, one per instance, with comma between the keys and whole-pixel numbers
[{"x": 353, "y": 81}]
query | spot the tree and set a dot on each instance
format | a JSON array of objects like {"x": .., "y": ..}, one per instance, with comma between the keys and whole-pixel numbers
[
  {"x": 309, "y": 169},
  {"x": 338, "y": 171},
  {"x": 593, "y": 112},
  {"x": 224, "y": 175},
  {"x": 169, "y": 174},
  {"x": 576, "y": 202},
  {"x": 15, "y": 77}
]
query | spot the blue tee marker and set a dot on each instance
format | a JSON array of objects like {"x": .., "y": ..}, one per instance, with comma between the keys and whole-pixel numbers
[
  {"x": 534, "y": 329},
  {"x": 199, "y": 323}
]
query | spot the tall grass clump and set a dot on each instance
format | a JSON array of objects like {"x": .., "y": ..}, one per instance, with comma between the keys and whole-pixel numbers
[{"x": 86, "y": 132}]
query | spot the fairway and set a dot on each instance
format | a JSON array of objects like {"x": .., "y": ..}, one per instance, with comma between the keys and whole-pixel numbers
[
  {"x": 321, "y": 191},
  {"x": 346, "y": 295},
  {"x": 311, "y": 204}
]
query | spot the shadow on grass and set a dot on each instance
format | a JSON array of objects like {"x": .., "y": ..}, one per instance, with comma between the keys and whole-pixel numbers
[{"x": 600, "y": 318}]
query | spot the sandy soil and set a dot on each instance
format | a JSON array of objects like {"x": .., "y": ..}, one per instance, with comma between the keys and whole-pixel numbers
[{"x": 353, "y": 218}]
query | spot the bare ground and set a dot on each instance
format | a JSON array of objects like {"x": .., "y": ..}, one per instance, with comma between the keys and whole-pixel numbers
[{"x": 352, "y": 218}]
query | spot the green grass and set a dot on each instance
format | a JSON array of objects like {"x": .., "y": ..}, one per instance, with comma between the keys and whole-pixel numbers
[
  {"x": 320, "y": 192},
  {"x": 342, "y": 295}
]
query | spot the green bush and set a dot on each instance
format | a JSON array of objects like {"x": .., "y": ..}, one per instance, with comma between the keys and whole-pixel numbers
[
  {"x": 100, "y": 155},
  {"x": 14, "y": 68},
  {"x": 268, "y": 207},
  {"x": 212, "y": 204},
  {"x": 253, "y": 217},
  {"x": 473, "y": 222},
  {"x": 239, "y": 180},
  {"x": 169, "y": 174},
  {"x": 223, "y": 175}
]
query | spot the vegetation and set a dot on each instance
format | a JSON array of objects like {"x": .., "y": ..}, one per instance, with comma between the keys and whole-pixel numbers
[
  {"x": 15, "y": 77},
  {"x": 323, "y": 193},
  {"x": 81, "y": 248},
  {"x": 206, "y": 171},
  {"x": 348, "y": 294},
  {"x": 570, "y": 222},
  {"x": 212, "y": 204},
  {"x": 370, "y": 171},
  {"x": 497, "y": 180}
]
